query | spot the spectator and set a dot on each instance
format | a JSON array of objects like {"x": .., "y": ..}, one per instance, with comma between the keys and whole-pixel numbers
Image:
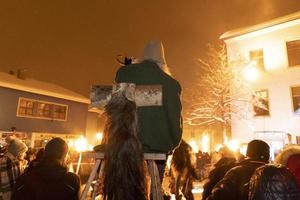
[
  {"x": 12, "y": 165},
  {"x": 49, "y": 179},
  {"x": 290, "y": 158},
  {"x": 38, "y": 159},
  {"x": 160, "y": 127},
  {"x": 272, "y": 182},
  {"x": 183, "y": 171},
  {"x": 235, "y": 184},
  {"x": 226, "y": 162}
]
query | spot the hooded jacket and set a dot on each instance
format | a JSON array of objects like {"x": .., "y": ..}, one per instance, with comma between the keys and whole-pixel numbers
[
  {"x": 290, "y": 158},
  {"x": 48, "y": 180}
]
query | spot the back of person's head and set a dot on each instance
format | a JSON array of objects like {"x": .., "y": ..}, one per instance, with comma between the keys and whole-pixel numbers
[
  {"x": 271, "y": 182},
  {"x": 293, "y": 164},
  {"x": 16, "y": 147},
  {"x": 56, "y": 150},
  {"x": 258, "y": 150},
  {"x": 226, "y": 152},
  {"x": 40, "y": 154}
]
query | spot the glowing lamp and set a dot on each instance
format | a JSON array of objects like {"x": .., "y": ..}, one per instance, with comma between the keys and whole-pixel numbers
[{"x": 251, "y": 73}]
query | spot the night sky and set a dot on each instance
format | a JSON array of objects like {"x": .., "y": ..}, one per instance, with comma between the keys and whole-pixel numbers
[{"x": 73, "y": 43}]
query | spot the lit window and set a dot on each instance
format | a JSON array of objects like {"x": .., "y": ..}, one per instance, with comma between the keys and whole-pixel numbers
[
  {"x": 296, "y": 99},
  {"x": 25, "y": 107},
  {"x": 257, "y": 56},
  {"x": 41, "y": 110},
  {"x": 293, "y": 51},
  {"x": 59, "y": 112},
  {"x": 44, "y": 110},
  {"x": 261, "y": 103}
]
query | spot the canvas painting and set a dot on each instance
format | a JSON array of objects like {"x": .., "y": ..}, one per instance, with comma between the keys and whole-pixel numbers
[{"x": 143, "y": 95}]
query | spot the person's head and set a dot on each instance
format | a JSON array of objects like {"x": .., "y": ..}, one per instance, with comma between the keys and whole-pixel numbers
[
  {"x": 258, "y": 150},
  {"x": 154, "y": 51},
  {"x": 40, "y": 154},
  {"x": 16, "y": 147},
  {"x": 56, "y": 150},
  {"x": 226, "y": 152}
]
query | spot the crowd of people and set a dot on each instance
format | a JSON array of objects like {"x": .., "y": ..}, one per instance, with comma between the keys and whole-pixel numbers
[{"x": 44, "y": 176}]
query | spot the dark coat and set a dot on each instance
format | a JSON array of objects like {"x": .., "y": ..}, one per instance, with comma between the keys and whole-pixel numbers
[
  {"x": 221, "y": 168},
  {"x": 235, "y": 184},
  {"x": 47, "y": 181},
  {"x": 271, "y": 182},
  {"x": 159, "y": 127}
]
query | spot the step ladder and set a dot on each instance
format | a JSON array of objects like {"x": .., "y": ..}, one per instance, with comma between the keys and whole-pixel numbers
[{"x": 97, "y": 172}]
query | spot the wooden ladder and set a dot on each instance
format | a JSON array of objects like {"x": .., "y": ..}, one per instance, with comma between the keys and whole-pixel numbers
[{"x": 97, "y": 171}]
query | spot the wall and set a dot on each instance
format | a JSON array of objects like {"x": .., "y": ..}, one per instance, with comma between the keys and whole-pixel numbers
[
  {"x": 76, "y": 117},
  {"x": 278, "y": 78}
]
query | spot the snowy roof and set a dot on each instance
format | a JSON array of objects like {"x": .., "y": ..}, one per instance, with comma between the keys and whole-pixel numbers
[
  {"x": 267, "y": 24},
  {"x": 39, "y": 87}
]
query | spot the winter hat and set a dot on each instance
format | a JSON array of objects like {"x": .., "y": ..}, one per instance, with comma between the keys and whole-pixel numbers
[
  {"x": 16, "y": 147},
  {"x": 56, "y": 149},
  {"x": 154, "y": 51},
  {"x": 258, "y": 150}
]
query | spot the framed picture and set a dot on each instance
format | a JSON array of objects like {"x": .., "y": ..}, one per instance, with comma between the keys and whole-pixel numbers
[{"x": 143, "y": 95}]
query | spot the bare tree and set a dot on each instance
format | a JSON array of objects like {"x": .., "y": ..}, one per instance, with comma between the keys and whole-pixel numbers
[{"x": 221, "y": 92}]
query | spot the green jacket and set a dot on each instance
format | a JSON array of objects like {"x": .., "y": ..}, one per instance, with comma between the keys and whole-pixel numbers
[{"x": 160, "y": 127}]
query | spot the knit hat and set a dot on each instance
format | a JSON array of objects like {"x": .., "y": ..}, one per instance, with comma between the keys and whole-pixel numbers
[
  {"x": 16, "y": 147},
  {"x": 154, "y": 51},
  {"x": 56, "y": 149},
  {"x": 258, "y": 150}
]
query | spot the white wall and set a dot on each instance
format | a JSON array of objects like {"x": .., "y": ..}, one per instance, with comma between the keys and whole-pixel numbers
[{"x": 278, "y": 79}]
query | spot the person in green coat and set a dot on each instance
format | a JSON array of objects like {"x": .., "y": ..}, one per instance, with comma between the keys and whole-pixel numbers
[{"x": 159, "y": 127}]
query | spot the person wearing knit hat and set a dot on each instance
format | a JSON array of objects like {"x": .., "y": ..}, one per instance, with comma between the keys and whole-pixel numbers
[
  {"x": 159, "y": 126},
  {"x": 16, "y": 147},
  {"x": 234, "y": 185},
  {"x": 258, "y": 150},
  {"x": 12, "y": 165}
]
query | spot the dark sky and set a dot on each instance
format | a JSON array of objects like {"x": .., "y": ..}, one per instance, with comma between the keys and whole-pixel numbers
[{"x": 74, "y": 42}]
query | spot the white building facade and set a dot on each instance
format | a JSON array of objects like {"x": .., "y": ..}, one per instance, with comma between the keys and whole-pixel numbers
[{"x": 274, "y": 46}]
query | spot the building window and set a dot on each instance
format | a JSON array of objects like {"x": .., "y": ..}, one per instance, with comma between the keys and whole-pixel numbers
[
  {"x": 293, "y": 51},
  {"x": 25, "y": 107},
  {"x": 257, "y": 56},
  {"x": 41, "y": 110},
  {"x": 59, "y": 112},
  {"x": 261, "y": 103},
  {"x": 44, "y": 109},
  {"x": 296, "y": 99}
]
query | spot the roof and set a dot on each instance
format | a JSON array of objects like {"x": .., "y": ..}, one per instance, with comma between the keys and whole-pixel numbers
[
  {"x": 267, "y": 24},
  {"x": 39, "y": 87}
]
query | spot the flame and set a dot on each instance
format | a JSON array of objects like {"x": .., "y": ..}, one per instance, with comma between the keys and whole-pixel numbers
[
  {"x": 194, "y": 146},
  {"x": 81, "y": 144},
  {"x": 205, "y": 143},
  {"x": 233, "y": 145},
  {"x": 218, "y": 147},
  {"x": 99, "y": 137}
]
